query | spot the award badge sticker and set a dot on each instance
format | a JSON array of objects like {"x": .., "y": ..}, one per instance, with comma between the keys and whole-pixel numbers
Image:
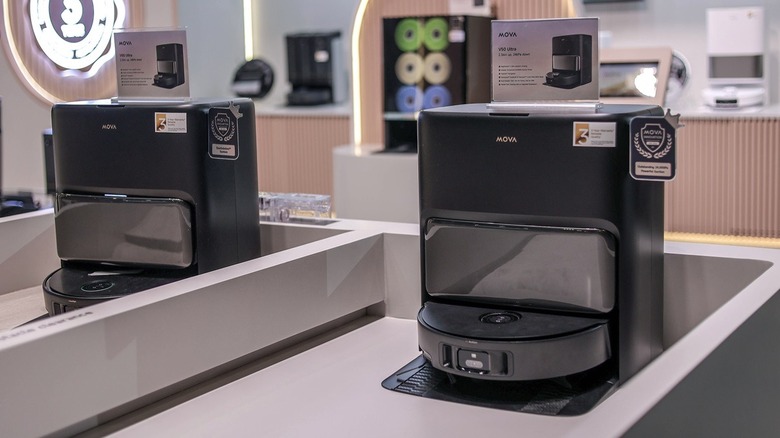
[
  {"x": 223, "y": 132},
  {"x": 653, "y": 152}
]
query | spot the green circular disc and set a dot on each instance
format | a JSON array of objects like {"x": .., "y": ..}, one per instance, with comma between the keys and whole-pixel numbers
[
  {"x": 436, "y": 34},
  {"x": 409, "y": 34}
]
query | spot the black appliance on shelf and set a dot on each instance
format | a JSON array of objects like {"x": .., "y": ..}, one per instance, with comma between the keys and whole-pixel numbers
[
  {"x": 315, "y": 68},
  {"x": 572, "y": 56},
  {"x": 150, "y": 193},
  {"x": 253, "y": 79},
  {"x": 48, "y": 161},
  {"x": 540, "y": 259},
  {"x": 431, "y": 62},
  {"x": 170, "y": 66}
]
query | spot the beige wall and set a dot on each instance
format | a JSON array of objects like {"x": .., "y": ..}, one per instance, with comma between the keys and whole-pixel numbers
[{"x": 25, "y": 116}]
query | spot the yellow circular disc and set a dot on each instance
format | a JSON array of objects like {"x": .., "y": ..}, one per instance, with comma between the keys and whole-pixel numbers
[
  {"x": 409, "y": 68},
  {"x": 437, "y": 68}
]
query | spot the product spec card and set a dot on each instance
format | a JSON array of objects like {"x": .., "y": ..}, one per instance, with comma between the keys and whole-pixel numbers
[{"x": 545, "y": 60}]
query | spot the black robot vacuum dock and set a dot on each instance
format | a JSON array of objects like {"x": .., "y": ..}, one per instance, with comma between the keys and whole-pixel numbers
[{"x": 541, "y": 258}]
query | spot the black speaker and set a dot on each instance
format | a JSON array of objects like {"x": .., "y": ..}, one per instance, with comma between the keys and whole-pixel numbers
[{"x": 431, "y": 62}]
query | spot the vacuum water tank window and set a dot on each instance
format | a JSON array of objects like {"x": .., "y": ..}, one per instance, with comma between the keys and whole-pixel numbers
[
  {"x": 166, "y": 67},
  {"x": 539, "y": 266},
  {"x": 734, "y": 67},
  {"x": 125, "y": 231},
  {"x": 566, "y": 62}
]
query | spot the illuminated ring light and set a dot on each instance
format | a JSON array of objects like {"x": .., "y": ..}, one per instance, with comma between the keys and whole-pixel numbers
[
  {"x": 409, "y": 34},
  {"x": 437, "y": 68},
  {"x": 409, "y": 99},
  {"x": 75, "y": 45},
  {"x": 409, "y": 68},
  {"x": 436, "y": 34},
  {"x": 436, "y": 96}
]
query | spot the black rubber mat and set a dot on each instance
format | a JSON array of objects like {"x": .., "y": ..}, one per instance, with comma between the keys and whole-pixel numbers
[{"x": 573, "y": 395}]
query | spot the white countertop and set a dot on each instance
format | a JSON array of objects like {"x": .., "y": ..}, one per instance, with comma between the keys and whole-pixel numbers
[{"x": 335, "y": 390}]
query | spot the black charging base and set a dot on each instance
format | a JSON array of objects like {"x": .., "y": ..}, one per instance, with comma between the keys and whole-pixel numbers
[
  {"x": 73, "y": 288},
  {"x": 565, "y": 396}
]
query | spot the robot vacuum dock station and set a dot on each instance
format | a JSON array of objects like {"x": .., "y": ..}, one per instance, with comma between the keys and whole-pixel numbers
[
  {"x": 540, "y": 259},
  {"x": 170, "y": 66},
  {"x": 147, "y": 194},
  {"x": 571, "y": 61}
]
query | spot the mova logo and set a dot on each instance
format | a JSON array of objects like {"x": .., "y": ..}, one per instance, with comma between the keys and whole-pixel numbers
[
  {"x": 506, "y": 139},
  {"x": 109, "y": 126},
  {"x": 125, "y": 43},
  {"x": 76, "y": 34},
  {"x": 506, "y": 34}
]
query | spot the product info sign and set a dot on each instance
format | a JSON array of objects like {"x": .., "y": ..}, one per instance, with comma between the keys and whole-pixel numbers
[
  {"x": 545, "y": 60},
  {"x": 151, "y": 64}
]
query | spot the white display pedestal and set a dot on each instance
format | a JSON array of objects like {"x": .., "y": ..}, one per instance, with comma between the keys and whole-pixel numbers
[{"x": 373, "y": 185}]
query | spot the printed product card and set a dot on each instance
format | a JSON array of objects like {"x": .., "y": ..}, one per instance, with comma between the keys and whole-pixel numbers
[
  {"x": 151, "y": 64},
  {"x": 545, "y": 60}
]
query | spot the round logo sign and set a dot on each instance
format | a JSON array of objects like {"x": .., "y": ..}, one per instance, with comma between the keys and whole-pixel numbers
[{"x": 75, "y": 34}]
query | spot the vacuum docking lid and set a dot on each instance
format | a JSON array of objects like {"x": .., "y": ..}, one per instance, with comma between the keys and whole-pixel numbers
[
  {"x": 150, "y": 232},
  {"x": 560, "y": 268}
]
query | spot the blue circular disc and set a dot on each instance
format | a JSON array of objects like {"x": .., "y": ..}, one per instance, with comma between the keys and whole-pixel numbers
[
  {"x": 436, "y": 96},
  {"x": 409, "y": 99}
]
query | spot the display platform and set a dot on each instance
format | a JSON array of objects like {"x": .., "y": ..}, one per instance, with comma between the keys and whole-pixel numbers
[
  {"x": 387, "y": 188},
  {"x": 164, "y": 361},
  {"x": 571, "y": 395}
]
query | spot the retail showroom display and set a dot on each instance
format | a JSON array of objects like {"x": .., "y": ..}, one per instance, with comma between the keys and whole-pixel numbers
[
  {"x": 150, "y": 193},
  {"x": 541, "y": 238}
]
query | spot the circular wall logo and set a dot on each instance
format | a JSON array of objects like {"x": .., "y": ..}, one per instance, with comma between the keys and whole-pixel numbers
[
  {"x": 62, "y": 50},
  {"x": 76, "y": 34}
]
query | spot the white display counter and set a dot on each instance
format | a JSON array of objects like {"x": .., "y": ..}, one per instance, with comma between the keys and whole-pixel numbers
[
  {"x": 373, "y": 185},
  {"x": 231, "y": 352}
]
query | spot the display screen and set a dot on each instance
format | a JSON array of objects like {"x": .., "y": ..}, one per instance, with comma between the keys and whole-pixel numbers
[
  {"x": 559, "y": 268},
  {"x": 634, "y": 79},
  {"x": 736, "y": 67}
]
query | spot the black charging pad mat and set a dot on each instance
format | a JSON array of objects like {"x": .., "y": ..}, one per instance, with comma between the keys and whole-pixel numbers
[{"x": 569, "y": 396}]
